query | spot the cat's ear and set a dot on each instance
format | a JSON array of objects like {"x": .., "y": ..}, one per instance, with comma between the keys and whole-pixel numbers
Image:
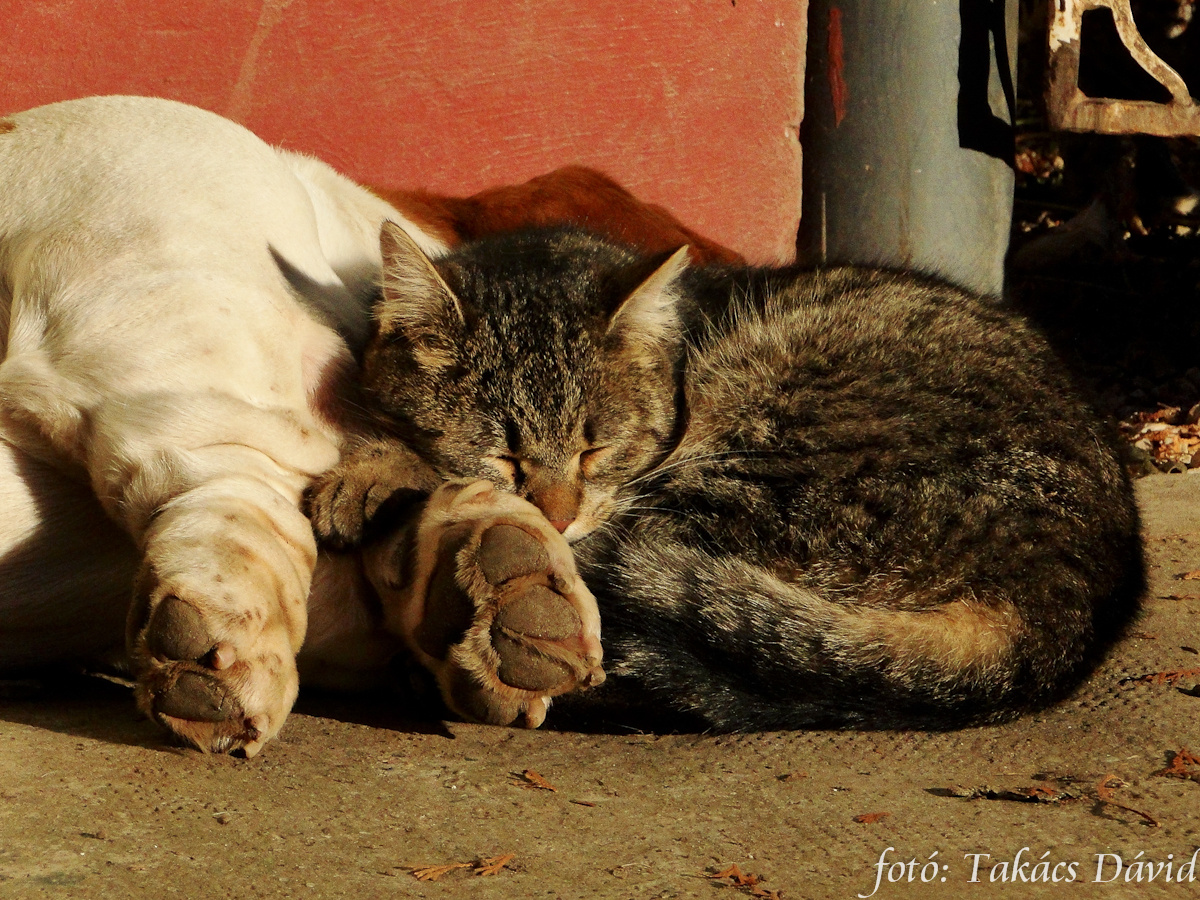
[
  {"x": 650, "y": 313},
  {"x": 417, "y": 303}
]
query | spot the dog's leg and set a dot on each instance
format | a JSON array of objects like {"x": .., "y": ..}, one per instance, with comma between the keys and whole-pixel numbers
[
  {"x": 176, "y": 301},
  {"x": 220, "y": 601},
  {"x": 206, "y": 478},
  {"x": 66, "y": 571}
]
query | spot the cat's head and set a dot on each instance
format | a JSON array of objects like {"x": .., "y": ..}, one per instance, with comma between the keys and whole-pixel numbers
[{"x": 545, "y": 362}]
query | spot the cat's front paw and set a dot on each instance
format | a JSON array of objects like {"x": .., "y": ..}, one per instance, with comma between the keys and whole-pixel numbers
[
  {"x": 495, "y": 608},
  {"x": 218, "y": 681},
  {"x": 344, "y": 502}
]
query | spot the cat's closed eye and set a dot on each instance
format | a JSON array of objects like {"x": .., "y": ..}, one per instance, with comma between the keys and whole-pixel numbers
[
  {"x": 592, "y": 460},
  {"x": 508, "y": 466}
]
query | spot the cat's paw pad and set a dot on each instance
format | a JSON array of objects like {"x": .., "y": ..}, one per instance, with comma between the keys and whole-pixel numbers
[
  {"x": 218, "y": 693},
  {"x": 505, "y": 624}
]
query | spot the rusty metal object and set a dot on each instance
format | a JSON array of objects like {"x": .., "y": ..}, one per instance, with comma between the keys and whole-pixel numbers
[{"x": 1072, "y": 110}]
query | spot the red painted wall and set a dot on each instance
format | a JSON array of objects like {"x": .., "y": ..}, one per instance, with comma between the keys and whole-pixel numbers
[{"x": 694, "y": 104}]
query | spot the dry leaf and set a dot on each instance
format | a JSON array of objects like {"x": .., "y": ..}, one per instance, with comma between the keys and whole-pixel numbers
[
  {"x": 735, "y": 876},
  {"x": 533, "y": 780},
  {"x": 1183, "y": 765},
  {"x": 747, "y": 882},
  {"x": 1193, "y": 575},
  {"x": 1108, "y": 784},
  {"x": 871, "y": 818},
  {"x": 492, "y": 865},
  {"x": 433, "y": 873},
  {"x": 1170, "y": 676},
  {"x": 1039, "y": 794},
  {"x": 730, "y": 874},
  {"x": 1105, "y": 791}
]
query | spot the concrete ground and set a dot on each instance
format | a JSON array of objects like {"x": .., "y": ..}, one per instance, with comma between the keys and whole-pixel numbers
[{"x": 353, "y": 799}]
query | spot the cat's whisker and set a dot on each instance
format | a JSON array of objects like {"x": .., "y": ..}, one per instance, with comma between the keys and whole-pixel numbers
[
  {"x": 695, "y": 460},
  {"x": 646, "y": 512},
  {"x": 632, "y": 498},
  {"x": 626, "y": 507}
]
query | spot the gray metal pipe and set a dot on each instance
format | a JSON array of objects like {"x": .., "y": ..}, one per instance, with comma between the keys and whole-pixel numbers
[{"x": 907, "y": 136}]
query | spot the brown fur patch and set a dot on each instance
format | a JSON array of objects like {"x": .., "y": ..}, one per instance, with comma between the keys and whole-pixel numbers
[
  {"x": 959, "y": 637},
  {"x": 438, "y": 216},
  {"x": 572, "y": 195}
]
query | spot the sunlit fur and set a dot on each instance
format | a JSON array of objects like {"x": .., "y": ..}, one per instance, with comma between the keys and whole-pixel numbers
[
  {"x": 840, "y": 497},
  {"x": 555, "y": 381}
]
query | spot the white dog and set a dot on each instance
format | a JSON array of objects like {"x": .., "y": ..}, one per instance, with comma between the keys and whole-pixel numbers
[{"x": 179, "y": 304}]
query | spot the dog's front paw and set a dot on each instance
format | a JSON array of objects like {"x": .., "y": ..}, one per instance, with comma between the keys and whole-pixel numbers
[
  {"x": 495, "y": 607},
  {"x": 527, "y": 641},
  {"x": 344, "y": 502},
  {"x": 219, "y": 680}
]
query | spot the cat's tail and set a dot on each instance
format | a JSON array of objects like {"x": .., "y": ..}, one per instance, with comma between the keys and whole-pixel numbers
[{"x": 744, "y": 649}]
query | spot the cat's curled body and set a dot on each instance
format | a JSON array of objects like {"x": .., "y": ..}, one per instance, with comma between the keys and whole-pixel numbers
[{"x": 838, "y": 497}]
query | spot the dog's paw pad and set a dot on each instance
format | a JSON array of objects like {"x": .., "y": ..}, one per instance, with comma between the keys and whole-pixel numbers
[
  {"x": 177, "y": 631},
  {"x": 490, "y": 602},
  {"x": 529, "y": 611},
  {"x": 539, "y": 612},
  {"x": 196, "y": 697},
  {"x": 486, "y": 707},
  {"x": 527, "y": 629},
  {"x": 216, "y": 686},
  {"x": 507, "y": 552},
  {"x": 522, "y": 642},
  {"x": 524, "y": 668}
]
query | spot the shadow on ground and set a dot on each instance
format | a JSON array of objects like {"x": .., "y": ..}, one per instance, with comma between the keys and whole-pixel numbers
[{"x": 354, "y": 798}]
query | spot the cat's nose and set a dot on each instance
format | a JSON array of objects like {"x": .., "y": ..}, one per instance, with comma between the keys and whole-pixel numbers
[{"x": 559, "y": 503}]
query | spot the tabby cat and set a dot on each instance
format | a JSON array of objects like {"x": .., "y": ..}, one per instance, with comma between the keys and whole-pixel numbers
[{"x": 848, "y": 497}]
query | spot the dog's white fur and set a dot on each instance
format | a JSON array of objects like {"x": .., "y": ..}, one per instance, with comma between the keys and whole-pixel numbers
[{"x": 176, "y": 299}]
